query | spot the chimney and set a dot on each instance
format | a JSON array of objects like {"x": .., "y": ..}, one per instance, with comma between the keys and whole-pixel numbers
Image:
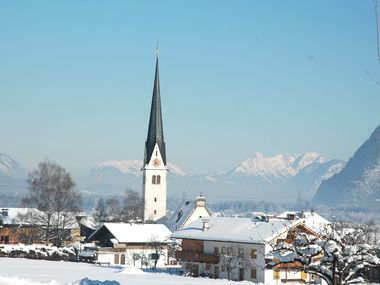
[
  {"x": 200, "y": 202},
  {"x": 206, "y": 224},
  {"x": 291, "y": 216}
]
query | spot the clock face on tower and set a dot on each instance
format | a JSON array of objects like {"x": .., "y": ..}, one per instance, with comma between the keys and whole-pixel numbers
[{"x": 156, "y": 162}]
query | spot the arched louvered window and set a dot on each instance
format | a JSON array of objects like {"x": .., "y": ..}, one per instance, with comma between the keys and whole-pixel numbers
[
  {"x": 158, "y": 179},
  {"x": 154, "y": 179}
]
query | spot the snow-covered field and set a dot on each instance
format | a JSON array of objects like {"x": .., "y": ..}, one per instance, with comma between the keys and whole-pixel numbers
[{"x": 20, "y": 271}]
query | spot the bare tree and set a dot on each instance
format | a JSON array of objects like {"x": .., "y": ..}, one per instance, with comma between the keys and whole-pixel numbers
[
  {"x": 113, "y": 206},
  {"x": 158, "y": 248},
  {"x": 135, "y": 256},
  {"x": 132, "y": 206},
  {"x": 143, "y": 258},
  {"x": 52, "y": 193},
  {"x": 234, "y": 258},
  {"x": 100, "y": 214},
  {"x": 339, "y": 255}
]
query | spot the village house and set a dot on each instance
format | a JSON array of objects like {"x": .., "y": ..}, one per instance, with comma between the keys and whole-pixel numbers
[
  {"x": 13, "y": 230},
  {"x": 238, "y": 248},
  {"x": 131, "y": 243},
  {"x": 20, "y": 225},
  {"x": 188, "y": 213}
]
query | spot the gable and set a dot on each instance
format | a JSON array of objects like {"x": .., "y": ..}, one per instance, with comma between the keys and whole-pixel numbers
[{"x": 102, "y": 236}]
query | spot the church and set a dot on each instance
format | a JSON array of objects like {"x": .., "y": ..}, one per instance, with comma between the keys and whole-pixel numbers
[
  {"x": 154, "y": 186},
  {"x": 155, "y": 168}
]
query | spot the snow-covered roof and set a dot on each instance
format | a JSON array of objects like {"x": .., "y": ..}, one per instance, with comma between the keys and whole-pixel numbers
[
  {"x": 183, "y": 213},
  {"x": 246, "y": 230},
  {"x": 243, "y": 230},
  {"x": 135, "y": 233},
  {"x": 10, "y": 215},
  {"x": 311, "y": 219},
  {"x": 27, "y": 216}
]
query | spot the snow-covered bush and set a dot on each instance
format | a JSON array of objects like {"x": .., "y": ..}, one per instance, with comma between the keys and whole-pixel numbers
[{"x": 37, "y": 251}]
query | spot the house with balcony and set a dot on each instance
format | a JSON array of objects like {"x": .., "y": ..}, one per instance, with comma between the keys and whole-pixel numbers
[{"x": 238, "y": 248}]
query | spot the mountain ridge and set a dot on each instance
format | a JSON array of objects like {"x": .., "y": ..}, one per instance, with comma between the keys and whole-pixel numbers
[
  {"x": 359, "y": 181},
  {"x": 257, "y": 176}
]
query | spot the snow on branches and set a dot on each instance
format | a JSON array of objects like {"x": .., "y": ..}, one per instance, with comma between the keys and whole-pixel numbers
[{"x": 339, "y": 254}]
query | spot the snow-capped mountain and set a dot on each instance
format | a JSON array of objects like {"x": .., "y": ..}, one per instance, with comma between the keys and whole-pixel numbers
[
  {"x": 118, "y": 175},
  {"x": 281, "y": 166},
  {"x": 10, "y": 168},
  {"x": 283, "y": 176},
  {"x": 132, "y": 167},
  {"x": 358, "y": 184},
  {"x": 12, "y": 181}
]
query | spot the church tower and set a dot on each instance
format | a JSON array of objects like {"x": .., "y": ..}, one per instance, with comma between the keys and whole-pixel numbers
[{"x": 154, "y": 168}]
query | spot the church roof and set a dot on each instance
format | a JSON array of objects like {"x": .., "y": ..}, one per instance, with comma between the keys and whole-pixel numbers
[{"x": 155, "y": 130}]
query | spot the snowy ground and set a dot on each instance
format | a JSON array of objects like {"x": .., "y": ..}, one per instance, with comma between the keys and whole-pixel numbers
[{"x": 19, "y": 271}]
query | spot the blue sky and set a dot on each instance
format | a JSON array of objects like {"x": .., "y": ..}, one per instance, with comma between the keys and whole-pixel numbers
[{"x": 237, "y": 77}]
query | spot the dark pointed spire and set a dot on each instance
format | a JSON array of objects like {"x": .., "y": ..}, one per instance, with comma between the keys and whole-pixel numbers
[{"x": 155, "y": 129}]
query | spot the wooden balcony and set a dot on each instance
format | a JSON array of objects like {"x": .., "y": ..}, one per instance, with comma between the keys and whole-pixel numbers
[{"x": 191, "y": 256}]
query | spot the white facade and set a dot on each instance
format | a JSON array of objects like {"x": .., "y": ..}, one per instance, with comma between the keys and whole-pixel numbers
[
  {"x": 138, "y": 256},
  {"x": 251, "y": 254},
  {"x": 154, "y": 187}
]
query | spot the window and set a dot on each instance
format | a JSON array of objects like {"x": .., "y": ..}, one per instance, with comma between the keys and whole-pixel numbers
[
  {"x": 155, "y": 212},
  {"x": 223, "y": 250},
  {"x": 241, "y": 252},
  {"x": 229, "y": 250},
  {"x": 158, "y": 179},
  {"x": 303, "y": 275},
  {"x": 156, "y": 152},
  {"x": 153, "y": 256},
  {"x": 154, "y": 179},
  {"x": 253, "y": 253},
  {"x": 253, "y": 273},
  {"x": 216, "y": 250},
  {"x": 4, "y": 239},
  {"x": 180, "y": 213},
  {"x": 276, "y": 274},
  {"x": 155, "y": 199}
]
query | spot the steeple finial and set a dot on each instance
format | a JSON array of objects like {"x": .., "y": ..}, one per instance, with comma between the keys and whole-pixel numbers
[{"x": 157, "y": 50}]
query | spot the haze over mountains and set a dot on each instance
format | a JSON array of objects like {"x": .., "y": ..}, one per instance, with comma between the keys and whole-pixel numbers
[
  {"x": 283, "y": 177},
  {"x": 278, "y": 178}
]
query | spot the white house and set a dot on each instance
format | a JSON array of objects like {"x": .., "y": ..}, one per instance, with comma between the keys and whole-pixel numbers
[
  {"x": 128, "y": 243},
  {"x": 238, "y": 248},
  {"x": 188, "y": 213}
]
